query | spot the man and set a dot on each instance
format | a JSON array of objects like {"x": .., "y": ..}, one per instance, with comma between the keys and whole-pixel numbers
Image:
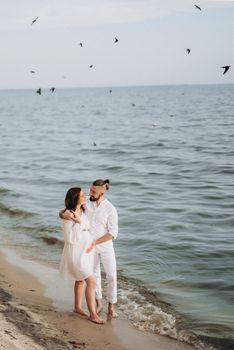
[{"x": 103, "y": 219}]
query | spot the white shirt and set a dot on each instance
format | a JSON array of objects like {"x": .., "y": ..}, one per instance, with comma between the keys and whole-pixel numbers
[{"x": 103, "y": 219}]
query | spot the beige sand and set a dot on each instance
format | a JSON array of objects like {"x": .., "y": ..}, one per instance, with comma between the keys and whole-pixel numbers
[
  {"x": 28, "y": 320},
  {"x": 37, "y": 315}
]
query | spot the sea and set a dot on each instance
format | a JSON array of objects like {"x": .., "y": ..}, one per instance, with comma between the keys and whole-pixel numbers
[{"x": 169, "y": 154}]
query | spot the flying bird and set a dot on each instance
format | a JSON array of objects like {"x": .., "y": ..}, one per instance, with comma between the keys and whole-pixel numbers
[
  {"x": 91, "y": 66},
  {"x": 32, "y": 71},
  {"x": 34, "y": 21},
  {"x": 133, "y": 105},
  {"x": 198, "y": 7},
  {"x": 94, "y": 144},
  {"x": 226, "y": 68},
  {"x": 81, "y": 44},
  {"x": 110, "y": 91},
  {"x": 39, "y": 91},
  {"x": 52, "y": 89},
  {"x": 116, "y": 40},
  {"x": 188, "y": 51}
]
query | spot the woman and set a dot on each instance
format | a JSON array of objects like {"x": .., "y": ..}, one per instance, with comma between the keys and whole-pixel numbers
[{"x": 76, "y": 262}]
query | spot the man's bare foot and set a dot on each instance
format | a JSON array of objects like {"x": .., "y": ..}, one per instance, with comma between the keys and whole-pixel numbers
[
  {"x": 80, "y": 312},
  {"x": 96, "y": 319},
  {"x": 111, "y": 312}
]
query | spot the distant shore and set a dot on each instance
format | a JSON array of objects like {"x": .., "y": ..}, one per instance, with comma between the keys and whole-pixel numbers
[{"x": 30, "y": 319}]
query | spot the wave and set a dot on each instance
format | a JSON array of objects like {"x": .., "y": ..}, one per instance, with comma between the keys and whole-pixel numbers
[
  {"x": 44, "y": 233},
  {"x": 149, "y": 313},
  {"x": 14, "y": 211},
  {"x": 4, "y": 191},
  {"x": 114, "y": 168},
  {"x": 227, "y": 170},
  {"x": 50, "y": 240}
]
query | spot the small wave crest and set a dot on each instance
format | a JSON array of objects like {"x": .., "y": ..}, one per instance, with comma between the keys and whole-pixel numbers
[
  {"x": 14, "y": 211},
  {"x": 50, "y": 240},
  {"x": 4, "y": 191},
  {"x": 149, "y": 313},
  {"x": 7, "y": 192},
  {"x": 44, "y": 233}
]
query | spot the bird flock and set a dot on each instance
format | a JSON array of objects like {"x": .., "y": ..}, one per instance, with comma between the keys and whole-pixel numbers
[
  {"x": 225, "y": 68},
  {"x": 52, "y": 89},
  {"x": 116, "y": 40}
]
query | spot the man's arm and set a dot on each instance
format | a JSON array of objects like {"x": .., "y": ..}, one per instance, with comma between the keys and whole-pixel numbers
[
  {"x": 112, "y": 225},
  {"x": 69, "y": 215},
  {"x": 105, "y": 238},
  {"x": 62, "y": 214}
]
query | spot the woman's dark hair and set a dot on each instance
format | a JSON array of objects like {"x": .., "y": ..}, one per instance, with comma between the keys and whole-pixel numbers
[
  {"x": 72, "y": 198},
  {"x": 101, "y": 182}
]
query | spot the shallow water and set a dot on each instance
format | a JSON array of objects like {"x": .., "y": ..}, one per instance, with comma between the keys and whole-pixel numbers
[{"x": 170, "y": 159}]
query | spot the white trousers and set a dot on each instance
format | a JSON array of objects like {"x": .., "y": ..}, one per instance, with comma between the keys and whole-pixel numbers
[{"x": 106, "y": 255}]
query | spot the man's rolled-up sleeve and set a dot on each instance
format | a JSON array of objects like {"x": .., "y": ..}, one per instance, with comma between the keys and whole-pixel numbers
[{"x": 112, "y": 223}]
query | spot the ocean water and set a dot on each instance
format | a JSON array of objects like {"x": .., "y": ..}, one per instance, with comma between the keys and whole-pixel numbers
[{"x": 169, "y": 153}]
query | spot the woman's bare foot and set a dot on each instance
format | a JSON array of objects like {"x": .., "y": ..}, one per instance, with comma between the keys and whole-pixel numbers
[
  {"x": 96, "y": 319},
  {"x": 99, "y": 309},
  {"x": 80, "y": 312},
  {"x": 98, "y": 306}
]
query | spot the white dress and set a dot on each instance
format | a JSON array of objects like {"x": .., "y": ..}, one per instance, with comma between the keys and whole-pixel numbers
[{"x": 75, "y": 263}]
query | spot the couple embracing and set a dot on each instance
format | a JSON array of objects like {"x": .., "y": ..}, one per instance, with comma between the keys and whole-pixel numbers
[{"x": 89, "y": 227}]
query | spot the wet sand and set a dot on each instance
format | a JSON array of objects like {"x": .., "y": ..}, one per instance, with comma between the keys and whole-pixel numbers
[{"x": 36, "y": 313}]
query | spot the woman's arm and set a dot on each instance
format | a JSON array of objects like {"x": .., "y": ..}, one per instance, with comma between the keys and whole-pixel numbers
[{"x": 71, "y": 231}]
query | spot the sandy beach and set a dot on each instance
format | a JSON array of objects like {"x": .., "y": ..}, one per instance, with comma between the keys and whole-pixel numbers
[
  {"x": 32, "y": 319},
  {"x": 30, "y": 322}
]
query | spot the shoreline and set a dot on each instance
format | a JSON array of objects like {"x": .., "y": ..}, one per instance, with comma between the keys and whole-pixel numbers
[
  {"x": 31, "y": 321},
  {"x": 36, "y": 312}
]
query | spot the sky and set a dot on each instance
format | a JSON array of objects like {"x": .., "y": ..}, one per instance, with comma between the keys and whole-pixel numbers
[{"x": 153, "y": 37}]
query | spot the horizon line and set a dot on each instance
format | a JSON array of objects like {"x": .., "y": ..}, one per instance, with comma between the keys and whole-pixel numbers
[{"x": 117, "y": 86}]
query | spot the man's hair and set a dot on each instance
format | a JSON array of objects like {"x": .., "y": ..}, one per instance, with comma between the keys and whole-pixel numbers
[{"x": 101, "y": 182}]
